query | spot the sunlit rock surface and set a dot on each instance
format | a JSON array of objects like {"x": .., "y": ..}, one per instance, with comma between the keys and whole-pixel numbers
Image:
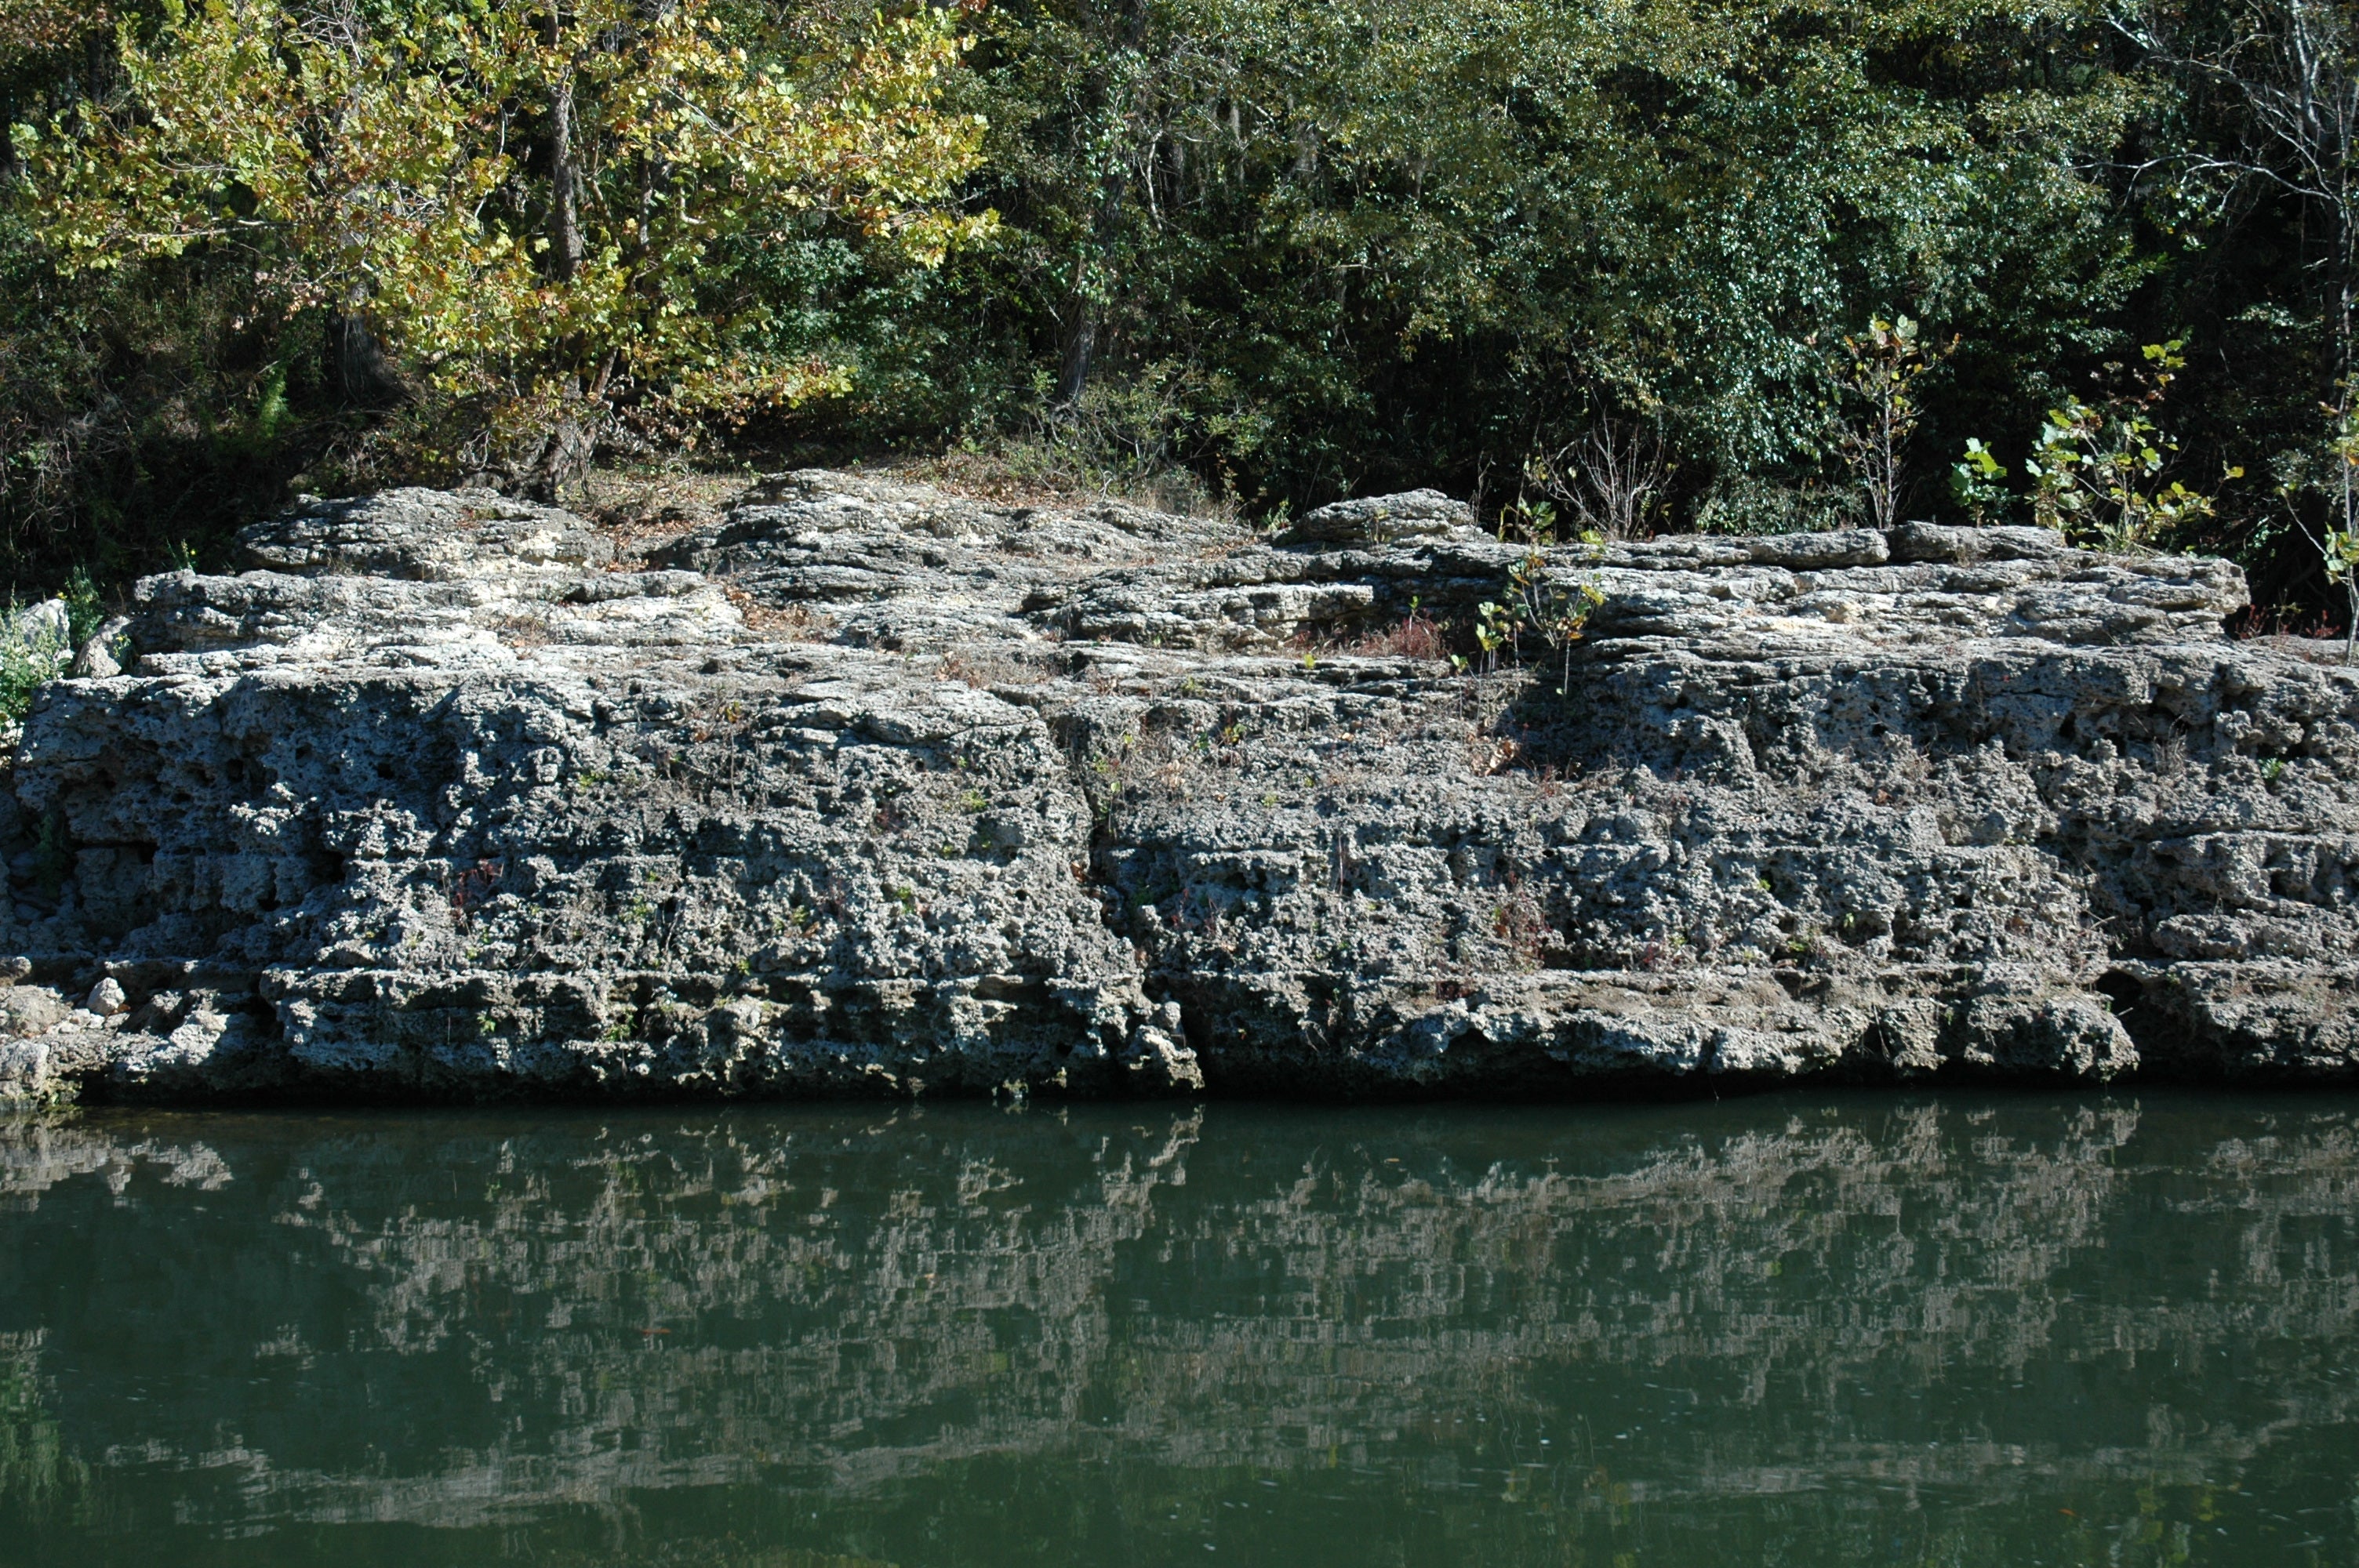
[{"x": 861, "y": 787}]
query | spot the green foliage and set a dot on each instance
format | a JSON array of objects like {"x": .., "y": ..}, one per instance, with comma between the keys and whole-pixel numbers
[
  {"x": 1975, "y": 484},
  {"x": 22, "y": 672},
  {"x": 2097, "y": 464},
  {"x": 1542, "y": 602},
  {"x": 528, "y": 205},
  {"x": 1389, "y": 246},
  {"x": 1245, "y": 252},
  {"x": 30, "y": 655},
  {"x": 2337, "y": 542}
]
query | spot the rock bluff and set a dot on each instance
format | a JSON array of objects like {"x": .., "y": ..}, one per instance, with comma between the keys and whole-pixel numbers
[{"x": 862, "y": 788}]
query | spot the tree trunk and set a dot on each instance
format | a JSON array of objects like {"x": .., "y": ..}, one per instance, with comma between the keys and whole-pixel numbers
[
  {"x": 1092, "y": 274},
  {"x": 357, "y": 366},
  {"x": 1081, "y": 330},
  {"x": 564, "y": 206}
]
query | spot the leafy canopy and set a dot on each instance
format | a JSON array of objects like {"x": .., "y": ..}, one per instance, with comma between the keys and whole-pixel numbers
[{"x": 526, "y": 201}]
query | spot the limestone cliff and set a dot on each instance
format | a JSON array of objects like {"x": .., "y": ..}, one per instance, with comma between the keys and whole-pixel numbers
[{"x": 867, "y": 787}]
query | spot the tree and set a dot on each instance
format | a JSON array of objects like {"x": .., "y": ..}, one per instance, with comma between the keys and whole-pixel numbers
[
  {"x": 1880, "y": 369},
  {"x": 534, "y": 206},
  {"x": 1402, "y": 244},
  {"x": 2290, "y": 71}
]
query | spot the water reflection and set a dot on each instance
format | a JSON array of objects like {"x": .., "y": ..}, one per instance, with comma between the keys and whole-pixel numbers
[{"x": 1860, "y": 1330}]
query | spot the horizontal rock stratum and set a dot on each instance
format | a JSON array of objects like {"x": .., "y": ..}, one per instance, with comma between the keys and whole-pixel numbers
[{"x": 864, "y": 787}]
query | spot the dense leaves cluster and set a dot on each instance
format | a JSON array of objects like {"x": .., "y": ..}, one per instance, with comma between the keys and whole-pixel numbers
[{"x": 1620, "y": 256}]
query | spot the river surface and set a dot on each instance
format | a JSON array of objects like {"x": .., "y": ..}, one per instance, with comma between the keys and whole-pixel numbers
[{"x": 1823, "y": 1329}]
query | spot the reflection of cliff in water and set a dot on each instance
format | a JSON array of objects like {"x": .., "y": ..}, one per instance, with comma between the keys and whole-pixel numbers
[{"x": 452, "y": 1320}]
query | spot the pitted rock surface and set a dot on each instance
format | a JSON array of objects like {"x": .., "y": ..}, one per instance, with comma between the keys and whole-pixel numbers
[{"x": 869, "y": 788}]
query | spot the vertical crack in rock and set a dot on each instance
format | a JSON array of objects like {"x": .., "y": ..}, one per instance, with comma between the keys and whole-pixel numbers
[{"x": 867, "y": 788}]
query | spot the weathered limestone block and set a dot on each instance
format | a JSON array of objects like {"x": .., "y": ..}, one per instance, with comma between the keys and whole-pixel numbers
[{"x": 866, "y": 788}]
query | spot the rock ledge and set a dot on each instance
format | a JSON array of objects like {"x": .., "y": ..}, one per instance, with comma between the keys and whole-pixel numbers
[{"x": 867, "y": 788}]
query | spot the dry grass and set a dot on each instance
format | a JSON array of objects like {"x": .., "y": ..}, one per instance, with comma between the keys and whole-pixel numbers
[
  {"x": 788, "y": 623},
  {"x": 1416, "y": 636},
  {"x": 1490, "y": 754},
  {"x": 522, "y": 631},
  {"x": 638, "y": 507},
  {"x": 1028, "y": 476},
  {"x": 981, "y": 670}
]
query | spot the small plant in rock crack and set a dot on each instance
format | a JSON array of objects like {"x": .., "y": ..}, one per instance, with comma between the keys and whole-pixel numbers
[
  {"x": 1539, "y": 602},
  {"x": 1416, "y": 636},
  {"x": 1496, "y": 630},
  {"x": 472, "y": 887},
  {"x": 1518, "y": 924},
  {"x": 1663, "y": 952}
]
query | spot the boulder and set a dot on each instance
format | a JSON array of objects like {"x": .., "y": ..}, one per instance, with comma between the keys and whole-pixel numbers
[{"x": 1380, "y": 519}]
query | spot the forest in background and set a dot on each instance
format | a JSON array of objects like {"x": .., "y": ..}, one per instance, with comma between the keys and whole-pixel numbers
[{"x": 1622, "y": 265}]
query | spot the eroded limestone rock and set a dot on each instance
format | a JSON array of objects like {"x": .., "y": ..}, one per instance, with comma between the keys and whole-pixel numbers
[{"x": 867, "y": 788}]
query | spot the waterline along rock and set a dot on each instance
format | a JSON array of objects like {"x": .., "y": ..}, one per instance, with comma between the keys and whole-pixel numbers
[{"x": 867, "y": 788}]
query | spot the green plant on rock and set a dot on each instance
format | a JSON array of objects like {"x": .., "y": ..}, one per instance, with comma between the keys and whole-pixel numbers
[
  {"x": 2339, "y": 552},
  {"x": 1539, "y": 602},
  {"x": 2095, "y": 472},
  {"x": 1975, "y": 484},
  {"x": 2338, "y": 546},
  {"x": 28, "y": 660},
  {"x": 84, "y": 610},
  {"x": 1557, "y": 611},
  {"x": 1532, "y": 522},
  {"x": 1880, "y": 369},
  {"x": 1497, "y": 628}
]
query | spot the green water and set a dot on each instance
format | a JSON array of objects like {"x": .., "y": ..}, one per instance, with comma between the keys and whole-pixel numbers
[{"x": 2118, "y": 1330}]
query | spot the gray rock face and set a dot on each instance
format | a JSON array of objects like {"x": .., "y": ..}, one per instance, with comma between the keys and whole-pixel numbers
[
  {"x": 1378, "y": 519},
  {"x": 867, "y": 788}
]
